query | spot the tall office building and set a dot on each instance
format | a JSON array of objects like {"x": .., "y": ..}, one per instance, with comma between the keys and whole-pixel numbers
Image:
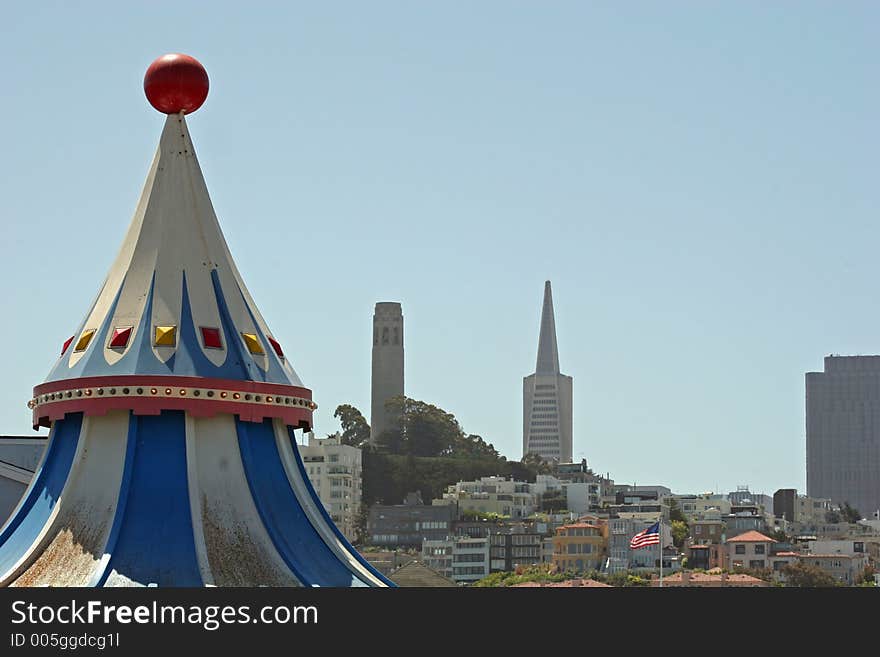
[
  {"x": 547, "y": 406},
  {"x": 843, "y": 432},
  {"x": 387, "y": 379}
]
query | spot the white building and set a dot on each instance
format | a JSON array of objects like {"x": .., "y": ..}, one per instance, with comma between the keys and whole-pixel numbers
[
  {"x": 580, "y": 496},
  {"x": 505, "y": 497},
  {"x": 702, "y": 506},
  {"x": 520, "y": 499},
  {"x": 848, "y": 547},
  {"x": 462, "y": 559},
  {"x": 812, "y": 510},
  {"x": 334, "y": 471}
]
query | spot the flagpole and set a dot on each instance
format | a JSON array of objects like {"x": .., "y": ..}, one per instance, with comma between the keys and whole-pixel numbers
[{"x": 660, "y": 545}]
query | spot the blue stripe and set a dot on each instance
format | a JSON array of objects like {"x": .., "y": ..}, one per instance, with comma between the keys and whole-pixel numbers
[
  {"x": 190, "y": 355},
  {"x": 297, "y": 541},
  {"x": 276, "y": 371},
  {"x": 43, "y": 493},
  {"x": 139, "y": 359},
  {"x": 92, "y": 362},
  {"x": 236, "y": 346},
  {"x": 233, "y": 339},
  {"x": 100, "y": 575},
  {"x": 316, "y": 501},
  {"x": 155, "y": 543}
]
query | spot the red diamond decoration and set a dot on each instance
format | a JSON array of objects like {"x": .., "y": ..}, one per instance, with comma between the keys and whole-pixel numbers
[
  {"x": 67, "y": 344},
  {"x": 121, "y": 336},
  {"x": 211, "y": 337},
  {"x": 276, "y": 346}
]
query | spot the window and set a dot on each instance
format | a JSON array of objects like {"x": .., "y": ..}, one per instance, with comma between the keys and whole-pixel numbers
[
  {"x": 756, "y": 563},
  {"x": 739, "y": 549},
  {"x": 759, "y": 549}
]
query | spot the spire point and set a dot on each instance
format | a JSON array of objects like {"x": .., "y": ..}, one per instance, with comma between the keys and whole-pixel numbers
[{"x": 548, "y": 354}]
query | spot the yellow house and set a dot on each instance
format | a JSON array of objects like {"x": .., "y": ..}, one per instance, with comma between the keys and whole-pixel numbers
[{"x": 580, "y": 546}]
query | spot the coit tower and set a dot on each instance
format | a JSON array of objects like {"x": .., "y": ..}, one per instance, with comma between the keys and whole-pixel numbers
[{"x": 387, "y": 379}]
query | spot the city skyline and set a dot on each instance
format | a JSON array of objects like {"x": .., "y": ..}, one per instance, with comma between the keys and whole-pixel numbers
[{"x": 697, "y": 182}]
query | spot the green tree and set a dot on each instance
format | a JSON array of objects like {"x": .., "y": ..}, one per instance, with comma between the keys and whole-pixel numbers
[
  {"x": 806, "y": 575},
  {"x": 539, "y": 573},
  {"x": 675, "y": 511},
  {"x": 849, "y": 514},
  {"x": 679, "y": 522},
  {"x": 534, "y": 462},
  {"x": 420, "y": 429},
  {"x": 355, "y": 430},
  {"x": 360, "y": 526},
  {"x": 423, "y": 429},
  {"x": 424, "y": 449},
  {"x": 833, "y": 516},
  {"x": 679, "y": 533},
  {"x": 867, "y": 576},
  {"x": 777, "y": 535},
  {"x": 624, "y": 578},
  {"x": 553, "y": 501},
  {"x": 473, "y": 446}
]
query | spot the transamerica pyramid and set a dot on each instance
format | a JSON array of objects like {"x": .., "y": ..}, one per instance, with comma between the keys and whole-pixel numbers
[{"x": 547, "y": 401}]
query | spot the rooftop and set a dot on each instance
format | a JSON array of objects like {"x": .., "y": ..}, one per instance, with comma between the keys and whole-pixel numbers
[
  {"x": 730, "y": 579},
  {"x": 569, "y": 583},
  {"x": 751, "y": 537},
  {"x": 836, "y": 555},
  {"x": 580, "y": 525}
]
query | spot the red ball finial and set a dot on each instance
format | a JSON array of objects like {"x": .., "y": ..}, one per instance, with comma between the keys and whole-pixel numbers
[{"x": 176, "y": 83}]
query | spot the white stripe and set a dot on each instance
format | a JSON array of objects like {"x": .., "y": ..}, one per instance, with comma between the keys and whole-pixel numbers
[
  {"x": 238, "y": 548},
  {"x": 72, "y": 545},
  {"x": 33, "y": 551},
  {"x": 195, "y": 504},
  {"x": 121, "y": 266},
  {"x": 78, "y": 547}
]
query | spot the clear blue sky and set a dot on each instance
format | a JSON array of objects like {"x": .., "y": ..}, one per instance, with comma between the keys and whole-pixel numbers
[{"x": 699, "y": 181}]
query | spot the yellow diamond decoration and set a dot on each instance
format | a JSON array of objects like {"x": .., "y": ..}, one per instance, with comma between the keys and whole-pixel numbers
[
  {"x": 166, "y": 336},
  {"x": 84, "y": 340},
  {"x": 253, "y": 345}
]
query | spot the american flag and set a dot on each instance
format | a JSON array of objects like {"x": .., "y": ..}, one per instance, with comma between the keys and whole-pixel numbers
[{"x": 648, "y": 536}]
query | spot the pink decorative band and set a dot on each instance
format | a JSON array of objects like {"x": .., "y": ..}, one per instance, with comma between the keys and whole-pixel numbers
[{"x": 252, "y": 401}]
